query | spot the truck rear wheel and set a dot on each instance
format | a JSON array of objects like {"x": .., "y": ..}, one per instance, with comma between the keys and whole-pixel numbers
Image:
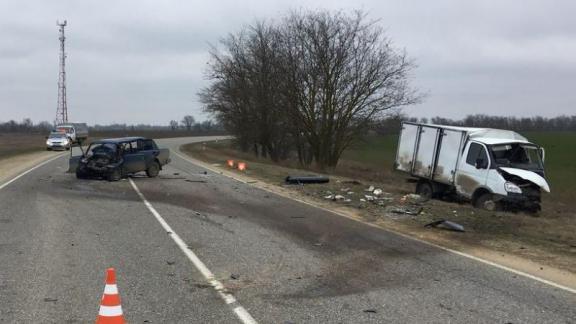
[
  {"x": 153, "y": 170},
  {"x": 425, "y": 190}
]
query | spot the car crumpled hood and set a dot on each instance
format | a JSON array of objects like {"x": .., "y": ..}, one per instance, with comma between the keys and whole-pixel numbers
[{"x": 530, "y": 176}]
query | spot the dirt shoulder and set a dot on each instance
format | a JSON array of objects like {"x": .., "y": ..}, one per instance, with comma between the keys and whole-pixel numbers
[
  {"x": 16, "y": 164},
  {"x": 544, "y": 247}
]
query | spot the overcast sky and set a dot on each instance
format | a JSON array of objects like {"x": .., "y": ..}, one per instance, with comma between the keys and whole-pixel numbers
[{"x": 144, "y": 61}]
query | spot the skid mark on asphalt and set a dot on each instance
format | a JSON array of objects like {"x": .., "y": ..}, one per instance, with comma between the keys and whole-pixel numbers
[{"x": 228, "y": 298}]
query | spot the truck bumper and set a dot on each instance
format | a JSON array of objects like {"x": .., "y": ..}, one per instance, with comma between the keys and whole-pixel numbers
[{"x": 520, "y": 201}]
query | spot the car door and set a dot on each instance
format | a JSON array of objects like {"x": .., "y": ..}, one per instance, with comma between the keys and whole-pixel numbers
[
  {"x": 473, "y": 169},
  {"x": 134, "y": 160}
]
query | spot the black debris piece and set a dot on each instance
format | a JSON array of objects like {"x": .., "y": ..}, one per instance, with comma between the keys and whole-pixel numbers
[
  {"x": 410, "y": 210},
  {"x": 200, "y": 181},
  {"x": 234, "y": 276},
  {"x": 370, "y": 311},
  {"x": 306, "y": 179},
  {"x": 445, "y": 224}
]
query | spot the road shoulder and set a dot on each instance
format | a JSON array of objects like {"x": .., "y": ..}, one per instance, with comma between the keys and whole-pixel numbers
[
  {"x": 553, "y": 276},
  {"x": 14, "y": 165}
]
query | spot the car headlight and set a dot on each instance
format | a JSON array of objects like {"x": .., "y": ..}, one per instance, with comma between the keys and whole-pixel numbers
[
  {"x": 65, "y": 142},
  {"x": 48, "y": 142},
  {"x": 510, "y": 187}
]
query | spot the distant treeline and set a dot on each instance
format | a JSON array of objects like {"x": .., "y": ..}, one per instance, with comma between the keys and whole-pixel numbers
[
  {"x": 188, "y": 125},
  {"x": 391, "y": 124}
]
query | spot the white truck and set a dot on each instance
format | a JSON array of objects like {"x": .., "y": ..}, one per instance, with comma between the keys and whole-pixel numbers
[
  {"x": 492, "y": 168},
  {"x": 76, "y": 132}
]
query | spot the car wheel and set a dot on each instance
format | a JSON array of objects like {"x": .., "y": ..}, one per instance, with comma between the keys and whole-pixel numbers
[
  {"x": 114, "y": 175},
  {"x": 487, "y": 202},
  {"x": 153, "y": 170},
  {"x": 424, "y": 189},
  {"x": 81, "y": 173}
]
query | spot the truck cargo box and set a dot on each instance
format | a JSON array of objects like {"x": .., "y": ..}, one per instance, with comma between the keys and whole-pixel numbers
[{"x": 427, "y": 151}]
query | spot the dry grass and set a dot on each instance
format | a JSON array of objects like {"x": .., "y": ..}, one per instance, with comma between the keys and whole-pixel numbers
[
  {"x": 12, "y": 144},
  {"x": 547, "y": 239}
]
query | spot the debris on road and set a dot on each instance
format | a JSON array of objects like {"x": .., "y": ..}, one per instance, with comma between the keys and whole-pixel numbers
[
  {"x": 234, "y": 276},
  {"x": 377, "y": 192},
  {"x": 410, "y": 210},
  {"x": 199, "y": 181},
  {"x": 370, "y": 311},
  {"x": 445, "y": 224},
  {"x": 412, "y": 198},
  {"x": 306, "y": 179},
  {"x": 370, "y": 189}
]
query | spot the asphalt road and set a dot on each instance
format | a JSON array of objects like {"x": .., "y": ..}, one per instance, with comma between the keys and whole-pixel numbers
[{"x": 282, "y": 261}]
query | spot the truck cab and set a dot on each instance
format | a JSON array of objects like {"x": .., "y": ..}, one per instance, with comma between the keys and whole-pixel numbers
[
  {"x": 489, "y": 167},
  {"x": 495, "y": 171}
]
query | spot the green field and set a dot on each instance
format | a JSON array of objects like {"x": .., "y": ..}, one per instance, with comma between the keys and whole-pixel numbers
[{"x": 380, "y": 151}]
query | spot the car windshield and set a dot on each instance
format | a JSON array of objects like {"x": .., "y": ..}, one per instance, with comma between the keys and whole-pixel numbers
[
  {"x": 102, "y": 148},
  {"x": 516, "y": 155},
  {"x": 57, "y": 136}
]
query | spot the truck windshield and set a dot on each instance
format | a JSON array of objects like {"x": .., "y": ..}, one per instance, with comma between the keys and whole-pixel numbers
[
  {"x": 57, "y": 135},
  {"x": 515, "y": 155}
]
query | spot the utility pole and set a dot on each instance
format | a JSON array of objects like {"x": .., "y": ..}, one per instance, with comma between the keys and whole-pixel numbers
[{"x": 62, "y": 109}]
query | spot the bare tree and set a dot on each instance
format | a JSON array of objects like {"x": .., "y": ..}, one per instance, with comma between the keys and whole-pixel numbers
[
  {"x": 173, "y": 125},
  {"x": 343, "y": 74},
  {"x": 312, "y": 82},
  {"x": 188, "y": 121}
]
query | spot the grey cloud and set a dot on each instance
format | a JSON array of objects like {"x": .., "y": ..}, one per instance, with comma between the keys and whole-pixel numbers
[{"x": 128, "y": 57}]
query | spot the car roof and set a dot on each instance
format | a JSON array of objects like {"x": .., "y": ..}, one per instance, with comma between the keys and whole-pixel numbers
[{"x": 119, "y": 140}]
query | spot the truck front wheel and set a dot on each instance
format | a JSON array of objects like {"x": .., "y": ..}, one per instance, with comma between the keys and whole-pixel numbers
[{"x": 486, "y": 201}]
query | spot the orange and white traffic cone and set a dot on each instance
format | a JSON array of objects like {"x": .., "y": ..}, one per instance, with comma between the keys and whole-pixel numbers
[{"x": 110, "y": 308}]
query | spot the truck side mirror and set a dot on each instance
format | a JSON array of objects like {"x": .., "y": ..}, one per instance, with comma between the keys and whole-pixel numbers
[
  {"x": 481, "y": 164},
  {"x": 542, "y": 154}
]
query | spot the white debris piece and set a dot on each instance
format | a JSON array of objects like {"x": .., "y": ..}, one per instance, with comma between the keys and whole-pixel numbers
[
  {"x": 350, "y": 192},
  {"x": 369, "y": 198},
  {"x": 345, "y": 189},
  {"x": 339, "y": 197},
  {"x": 362, "y": 200},
  {"x": 329, "y": 197},
  {"x": 370, "y": 189},
  {"x": 347, "y": 200},
  {"x": 377, "y": 192}
]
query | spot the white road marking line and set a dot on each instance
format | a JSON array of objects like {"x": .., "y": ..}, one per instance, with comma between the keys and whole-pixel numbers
[
  {"x": 228, "y": 298},
  {"x": 463, "y": 254},
  {"x": 2, "y": 186}
]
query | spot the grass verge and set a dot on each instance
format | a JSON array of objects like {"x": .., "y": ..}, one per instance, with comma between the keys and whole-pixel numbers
[{"x": 546, "y": 240}]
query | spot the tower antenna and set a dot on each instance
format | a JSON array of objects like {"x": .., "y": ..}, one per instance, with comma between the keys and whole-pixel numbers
[{"x": 62, "y": 108}]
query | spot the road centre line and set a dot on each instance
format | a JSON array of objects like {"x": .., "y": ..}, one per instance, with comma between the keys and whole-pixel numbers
[
  {"x": 463, "y": 254},
  {"x": 2, "y": 186},
  {"x": 228, "y": 298}
]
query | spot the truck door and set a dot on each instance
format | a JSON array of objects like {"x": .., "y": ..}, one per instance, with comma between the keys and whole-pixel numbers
[
  {"x": 473, "y": 169},
  {"x": 425, "y": 151}
]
